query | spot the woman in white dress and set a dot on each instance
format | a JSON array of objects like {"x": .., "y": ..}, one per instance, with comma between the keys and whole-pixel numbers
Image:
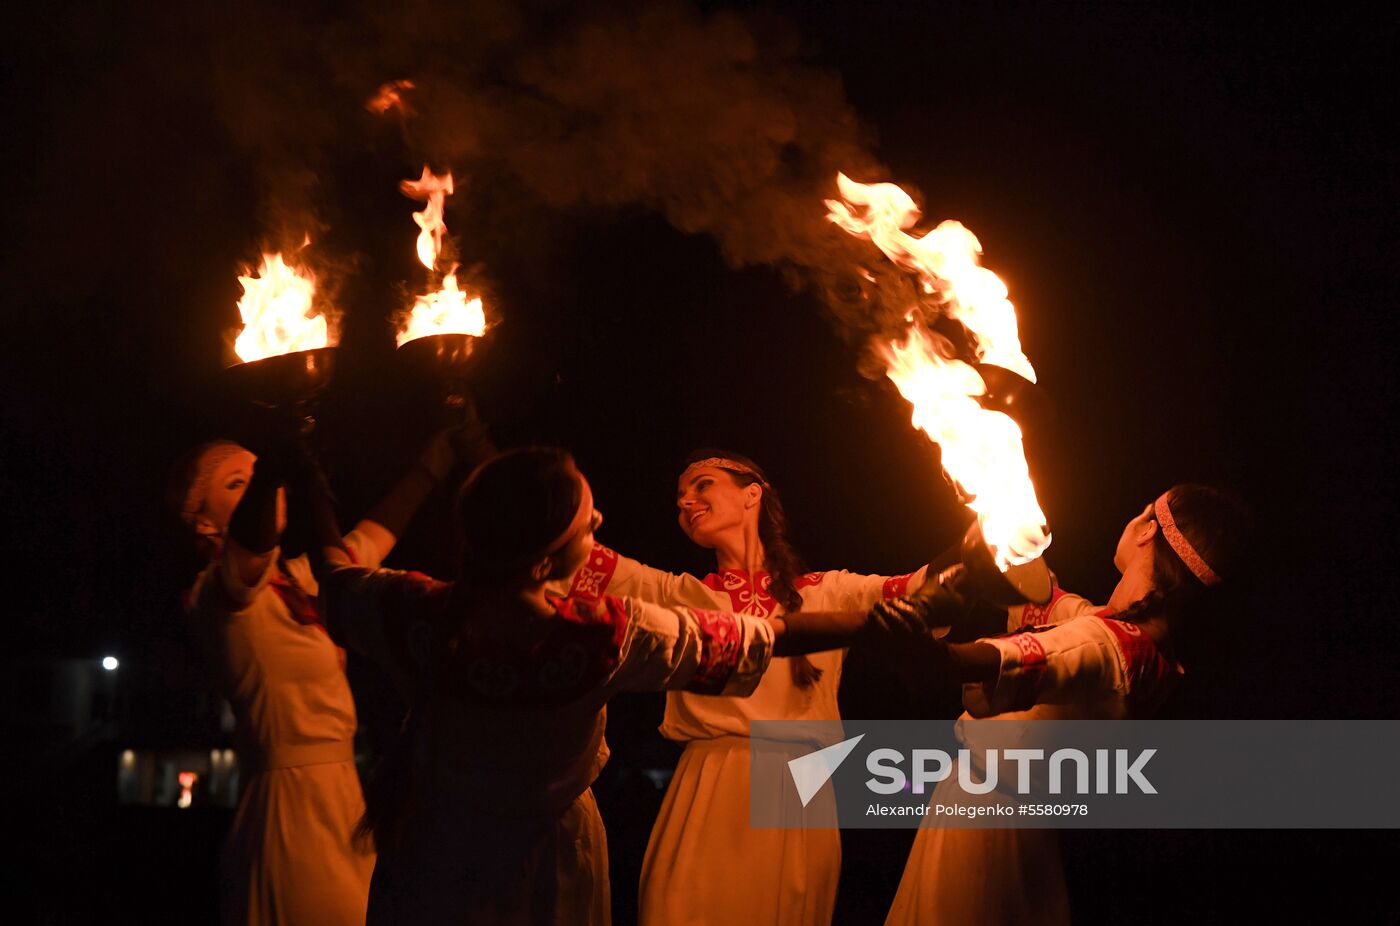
[
  {"x": 484, "y": 813},
  {"x": 704, "y": 864},
  {"x": 1068, "y": 660},
  {"x": 290, "y": 856}
]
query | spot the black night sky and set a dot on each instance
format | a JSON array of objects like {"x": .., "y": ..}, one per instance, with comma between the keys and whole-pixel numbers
[{"x": 1195, "y": 212}]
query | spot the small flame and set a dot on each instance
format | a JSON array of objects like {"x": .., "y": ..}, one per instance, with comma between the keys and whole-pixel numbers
[
  {"x": 390, "y": 96},
  {"x": 982, "y": 450},
  {"x": 434, "y": 190},
  {"x": 449, "y": 310},
  {"x": 277, "y": 312}
]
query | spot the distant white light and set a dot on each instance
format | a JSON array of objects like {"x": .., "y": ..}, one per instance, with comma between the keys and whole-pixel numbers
[{"x": 110, "y": 663}]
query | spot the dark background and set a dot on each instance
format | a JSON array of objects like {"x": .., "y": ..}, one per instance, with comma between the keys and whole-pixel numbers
[{"x": 1194, "y": 212}]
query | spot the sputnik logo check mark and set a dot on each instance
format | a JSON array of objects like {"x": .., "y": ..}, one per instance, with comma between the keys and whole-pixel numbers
[{"x": 811, "y": 771}]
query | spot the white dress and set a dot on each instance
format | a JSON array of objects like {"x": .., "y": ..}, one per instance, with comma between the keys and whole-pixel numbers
[
  {"x": 704, "y": 864},
  {"x": 1071, "y": 661},
  {"x": 506, "y": 830},
  {"x": 290, "y": 856}
]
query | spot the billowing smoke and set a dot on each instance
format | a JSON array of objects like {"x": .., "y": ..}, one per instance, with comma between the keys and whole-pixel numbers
[{"x": 713, "y": 119}]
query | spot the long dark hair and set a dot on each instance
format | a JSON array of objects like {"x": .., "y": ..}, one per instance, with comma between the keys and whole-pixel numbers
[
  {"x": 1216, "y": 524},
  {"x": 508, "y": 511},
  {"x": 782, "y": 562}
]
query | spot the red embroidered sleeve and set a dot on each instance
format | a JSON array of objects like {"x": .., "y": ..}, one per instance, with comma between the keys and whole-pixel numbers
[
  {"x": 1150, "y": 677},
  {"x": 593, "y": 577},
  {"x": 1038, "y": 615},
  {"x": 896, "y": 586},
  {"x": 720, "y": 648}
]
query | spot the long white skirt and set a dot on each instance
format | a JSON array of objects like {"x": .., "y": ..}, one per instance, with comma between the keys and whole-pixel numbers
[
  {"x": 980, "y": 877},
  {"x": 290, "y": 856},
  {"x": 705, "y": 866}
]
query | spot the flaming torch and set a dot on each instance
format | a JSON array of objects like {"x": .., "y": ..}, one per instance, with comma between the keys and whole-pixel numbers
[
  {"x": 284, "y": 350},
  {"x": 440, "y": 330},
  {"x": 983, "y": 455}
]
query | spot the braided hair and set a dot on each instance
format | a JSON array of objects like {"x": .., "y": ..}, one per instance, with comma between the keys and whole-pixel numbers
[{"x": 782, "y": 562}]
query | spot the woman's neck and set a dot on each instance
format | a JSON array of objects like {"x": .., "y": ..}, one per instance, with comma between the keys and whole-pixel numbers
[
  {"x": 740, "y": 550},
  {"x": 1133, "y": 587}
]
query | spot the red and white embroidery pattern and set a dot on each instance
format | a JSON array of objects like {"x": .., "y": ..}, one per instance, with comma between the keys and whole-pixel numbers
[
  {"x": 1148, "y": 673},
  {"x": 1038, "y": 615},
  {"x": 896, "y": 586},
  {"x": 1032, "y": 669},
  {"x": 746, "y": 596},
  {"x": 719, "y": 651},
  {"x": 592, "y": 579}
]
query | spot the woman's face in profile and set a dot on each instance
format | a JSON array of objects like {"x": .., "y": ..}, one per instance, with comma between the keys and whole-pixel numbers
[{"x": 1135, "y": 539}]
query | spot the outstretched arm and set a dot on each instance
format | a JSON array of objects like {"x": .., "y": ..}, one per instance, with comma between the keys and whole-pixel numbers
[{"x": 936, "y": 605}]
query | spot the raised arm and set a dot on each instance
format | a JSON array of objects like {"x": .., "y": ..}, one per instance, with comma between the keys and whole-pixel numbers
[
  {"x": 465, "y": 446},
  {"x": 253, "y": 530}
]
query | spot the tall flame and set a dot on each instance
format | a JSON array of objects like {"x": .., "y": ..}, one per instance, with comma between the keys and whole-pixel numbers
[
  {"x": 449, "y": 310},
  {"x": 982, "y": 449},
  {"x": 277, "y": 312}
]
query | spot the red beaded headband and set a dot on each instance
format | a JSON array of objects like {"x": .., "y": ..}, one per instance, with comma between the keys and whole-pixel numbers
[{"x": 1198, "y": 566}]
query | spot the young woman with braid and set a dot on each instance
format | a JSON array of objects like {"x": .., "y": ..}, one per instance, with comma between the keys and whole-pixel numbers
[
  {"x": 1068, "y": 660},
  {"x": 704, "y": 864},
  {"x": 484, "y": 813}
]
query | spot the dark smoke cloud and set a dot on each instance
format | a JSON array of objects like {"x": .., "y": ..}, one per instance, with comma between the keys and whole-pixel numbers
[{"x": 713, "y": 119}]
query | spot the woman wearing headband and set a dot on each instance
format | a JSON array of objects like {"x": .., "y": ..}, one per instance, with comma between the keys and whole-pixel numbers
[
  {"x": 1068, "y": 660},
  {"x": 484, "y": 812},
  {"x": 289, "y": 857},
  {"x": 704, "y": 864}
]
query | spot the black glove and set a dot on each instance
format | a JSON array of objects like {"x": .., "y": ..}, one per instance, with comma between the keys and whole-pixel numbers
[
  {"x": 280, "y": 438},
  {"x": 938, "y": 603},
  {"x": 469, "y": 438}
]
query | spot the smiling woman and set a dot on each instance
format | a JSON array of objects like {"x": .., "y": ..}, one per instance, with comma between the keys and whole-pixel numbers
[{"x": 704, "y": 863}]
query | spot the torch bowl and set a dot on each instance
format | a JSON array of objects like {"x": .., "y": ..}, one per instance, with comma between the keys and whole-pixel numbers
[
  {"x": 1027, "y": 583},
  {"x": 1015, "y": 396},
  {"x": 284, "y": 380},
  {"x": 441, "y": 356}
]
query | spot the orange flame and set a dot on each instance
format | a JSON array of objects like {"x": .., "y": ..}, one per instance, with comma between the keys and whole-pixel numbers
[
  {"x": 434, "y": 190},
  {"x": 390, "y": 96},
  {"x": 449, "y": 310},
  {"x": 982, "y": 449},
  {"x": 277, "y": 312},
  {"x": 946, "y": 261}
]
